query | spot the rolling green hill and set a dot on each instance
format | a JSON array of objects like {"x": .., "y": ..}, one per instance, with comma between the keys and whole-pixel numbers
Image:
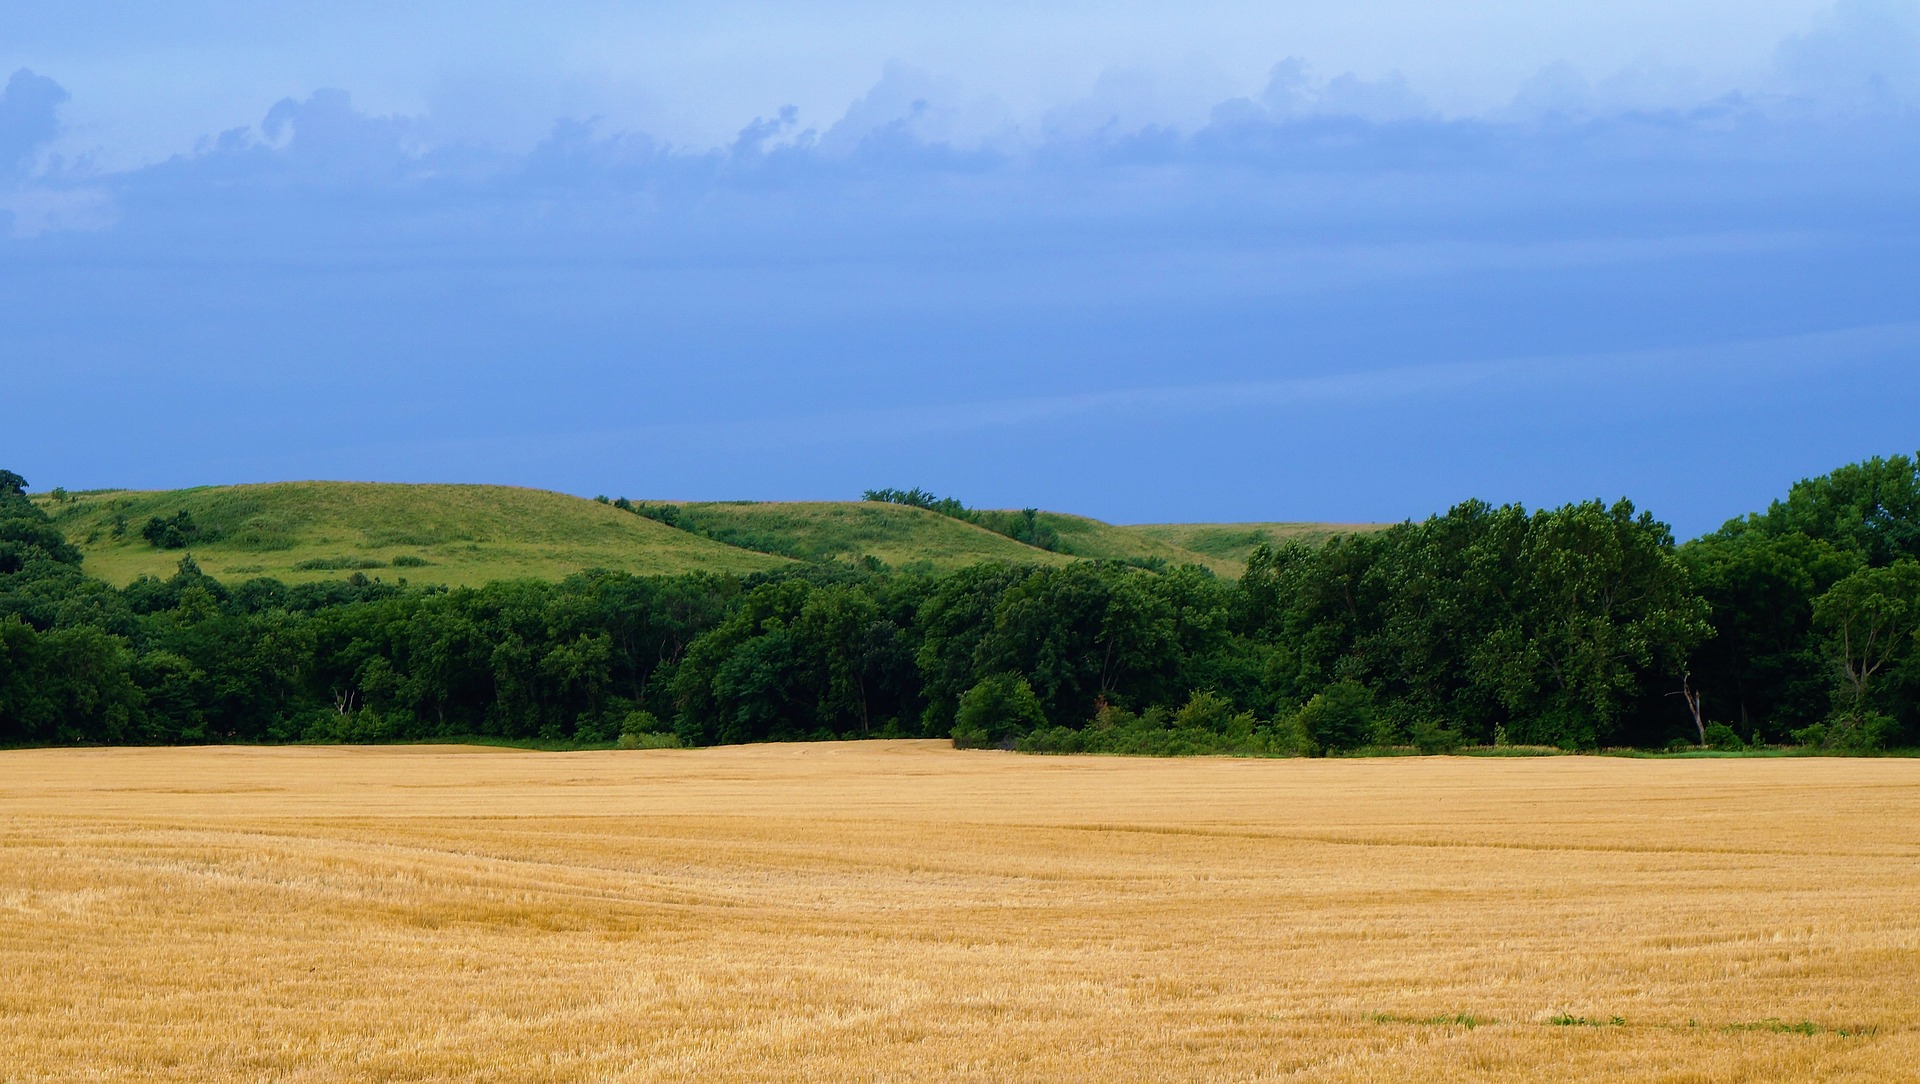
[
  {"x": 464, "y": 534},
  {"x": 1231, "y": 543},
  {"x": 898, "y": 534},
  {"x": 1083, "y": 537}
]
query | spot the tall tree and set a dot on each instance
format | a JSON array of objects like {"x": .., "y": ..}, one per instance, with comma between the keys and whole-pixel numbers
[{"x": 1869, "y": 620}]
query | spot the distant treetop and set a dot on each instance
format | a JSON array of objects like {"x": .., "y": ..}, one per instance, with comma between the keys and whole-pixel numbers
[{"x": 919, "y": 498}]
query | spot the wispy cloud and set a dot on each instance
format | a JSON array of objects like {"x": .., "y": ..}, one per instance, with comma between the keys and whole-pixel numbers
[{"x": 1840, "y": 95}]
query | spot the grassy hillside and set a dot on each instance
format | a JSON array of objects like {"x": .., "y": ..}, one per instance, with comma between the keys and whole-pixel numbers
[
  {"x": 464, "y": 534},
  {"x": 1229, "y": 544},
  {"x": 898, "y": 534},
  {"x": 1083, "y": 537}
]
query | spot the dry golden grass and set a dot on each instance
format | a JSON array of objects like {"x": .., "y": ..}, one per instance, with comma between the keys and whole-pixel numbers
[{"x": 899, "y": 911}]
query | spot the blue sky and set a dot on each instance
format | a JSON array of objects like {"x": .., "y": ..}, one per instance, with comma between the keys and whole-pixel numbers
[{"x": 1142, "y": 261}]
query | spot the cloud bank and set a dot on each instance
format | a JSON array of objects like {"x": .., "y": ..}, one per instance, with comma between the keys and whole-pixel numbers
[{"x": 333, "y": 290}]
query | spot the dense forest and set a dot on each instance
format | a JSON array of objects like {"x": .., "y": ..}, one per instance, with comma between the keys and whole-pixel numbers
[{"x": 1580, "y": 627}]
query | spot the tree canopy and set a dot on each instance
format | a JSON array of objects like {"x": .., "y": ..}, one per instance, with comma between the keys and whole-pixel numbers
[{"x": 1576, "y": 627}]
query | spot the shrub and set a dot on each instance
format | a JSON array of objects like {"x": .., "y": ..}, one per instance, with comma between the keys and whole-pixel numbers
[
  {"x": 1861, "y": 730},
  {"x": 642, "y": 729},
  {"x": 173, "y": 533},
  {"x": 1059, "y": 739},
  {"x": 1209, "y": 711},
  {"x": 1722, "y": 737},
  {"x": 408, "y": 560},
  {"x": 592, "y": 728},
  {"x": 337, "y": 564},
  {"x": 1814, "y": 735},
  {"x": 1289, "y": 738},
  {"x": 641, "y": 723},
  {"x": 361, "y": 727},
  {"x": 1856, "y": 731},
  {"x": 648, "y": 741},
  {"x": 1431, "y": 737},
  {"x": 1339, "y": 717},
  {"x": 996, "y": 713}
]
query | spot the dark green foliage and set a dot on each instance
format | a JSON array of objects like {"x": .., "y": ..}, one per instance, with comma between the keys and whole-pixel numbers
[
  {"x": 1339, "y": 718},
  {"x": 795, "y": 660},
  {"x": 642, "y": 729},
  {"x": 177, "y": 531},
  {"x": 953, "y": 621},
  {"x": 1761, "y": 667},
  {"x": 1556, "y": 626},
  {"x": 668, "y": 514},
  {"x": 1871, "y": 509},
  {"x": 676, "y": 517},
  {"x": 1022, "y": 526},
  {"x": 1721, "y": 737},
  {"x": 41, "y": 582},
  {"x": 1430, "y": 737},
  {"x": 1866, "y": 624},
  {"x": 920, "y": 498},
  {"x": 1812, "y": 608},
  {"x": 998, "y": 711},
  {"x": 27, "y": 537},
  {"x": 1574, "y": 627},
  {"x": 334, "y": 564},
  {"x": 68, "y": 685},
  {"x": 1206, "y": 723}
]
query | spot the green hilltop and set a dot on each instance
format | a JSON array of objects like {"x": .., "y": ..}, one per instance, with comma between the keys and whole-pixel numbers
[
  {"x": 464, "y": 535},
  {"x": 899, "y": 535},
  {"x": 1079, "y": 536}
]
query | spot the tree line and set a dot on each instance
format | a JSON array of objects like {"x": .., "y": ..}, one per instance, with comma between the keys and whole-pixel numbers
[
  {"x": 1021, "y": 526},
  {"x": 1579, "y": 627}
]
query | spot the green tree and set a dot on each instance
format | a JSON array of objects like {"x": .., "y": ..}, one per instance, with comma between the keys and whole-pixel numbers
[
  {"x": 1871, "y": 508},
  {"x": 173, "y": 532},
  {"x": 1869, "y": 620},
  {"x": 998, "y": 711},
  {"x": 1761, "y": 665},
  {"x": 1601, "y": 606},
  {"x": 28, "y": 537},
  {"x": 1339, "y": 718},
  {"x": 65, "y": 686},
  {"x": 954, "y": 620}
]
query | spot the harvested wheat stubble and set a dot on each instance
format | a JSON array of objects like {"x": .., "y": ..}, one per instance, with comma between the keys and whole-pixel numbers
[{"x": 900, "y": 911}]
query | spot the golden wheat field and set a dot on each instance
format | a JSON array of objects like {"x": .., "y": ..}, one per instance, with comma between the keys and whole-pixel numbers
[{"x": 900, "y": 911}]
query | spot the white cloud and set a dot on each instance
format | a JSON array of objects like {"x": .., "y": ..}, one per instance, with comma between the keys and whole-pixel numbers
[{"x": 1863, "y": 55}]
